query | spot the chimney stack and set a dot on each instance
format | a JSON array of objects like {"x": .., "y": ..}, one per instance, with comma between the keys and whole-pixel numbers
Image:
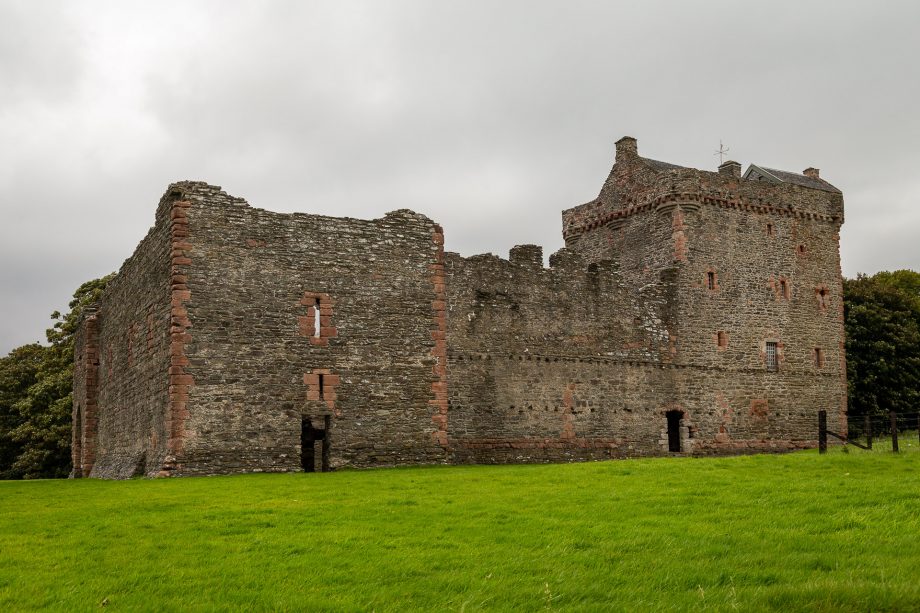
[
  {"x": 731, "y": 168},
  {"x": 814, "y": 173},
  {"x": 627, "y": 149}
]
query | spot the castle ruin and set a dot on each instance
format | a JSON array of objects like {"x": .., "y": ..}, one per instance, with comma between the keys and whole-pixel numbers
[{"x": 690, "y": 312}]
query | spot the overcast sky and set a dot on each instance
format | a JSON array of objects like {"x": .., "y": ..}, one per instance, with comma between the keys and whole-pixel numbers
[{"x": 489, "y": 117}]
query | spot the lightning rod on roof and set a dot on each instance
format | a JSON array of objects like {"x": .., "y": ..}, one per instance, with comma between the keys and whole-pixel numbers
[{"x": 721, "y": 152}]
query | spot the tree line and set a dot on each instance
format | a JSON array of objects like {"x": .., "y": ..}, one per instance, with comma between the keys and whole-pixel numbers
[{"x": 882, "y": 320}]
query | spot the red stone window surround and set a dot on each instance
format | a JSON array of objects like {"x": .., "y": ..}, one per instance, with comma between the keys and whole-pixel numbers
[
  {"x": 823, "y": 294},
  {"x": 317, "y": 323},
  {"x": 818, "y": 355},
  {"x": 772, "y": 354},
  {"x": 712, "y": 280},
  {"x": 784, "y": 288},
  {"x": 721, "y": 340},
  {"x": 322, "y": 384}
]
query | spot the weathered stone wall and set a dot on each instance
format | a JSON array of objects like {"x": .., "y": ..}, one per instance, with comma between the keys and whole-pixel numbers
[
  {"x": 551, "y": 363},
  {"x": 773, "y": 253},
  {"x": 235, "y": 337},
  {"x": 257, "y": 362},
  {"x": 129, "y": 353}
]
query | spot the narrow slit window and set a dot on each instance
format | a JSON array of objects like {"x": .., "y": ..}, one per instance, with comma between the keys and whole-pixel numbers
[
  {"x": 710, "y": 280},
  {"x": 721, "y": 339},
  {"x": 770, "y": 230},
  {"x": 322, "y": 387},
  {"x": 316, "y": 320},
  {"x": 819, "y": 357},
  {"x": 784, "y": 289},
  {"x": 772, "y": 361}
]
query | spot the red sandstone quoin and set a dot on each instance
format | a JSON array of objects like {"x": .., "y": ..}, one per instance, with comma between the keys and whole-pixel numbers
[{"x": 690, "y": 312}]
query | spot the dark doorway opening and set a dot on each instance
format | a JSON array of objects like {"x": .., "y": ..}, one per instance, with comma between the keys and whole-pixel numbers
[
  {"x": 314, "y": 445},
  {"x": 674, "y": 418}
]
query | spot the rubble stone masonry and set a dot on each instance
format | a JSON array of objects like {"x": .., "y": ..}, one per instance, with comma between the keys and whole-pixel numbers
[{"x": 233, "y": 332}]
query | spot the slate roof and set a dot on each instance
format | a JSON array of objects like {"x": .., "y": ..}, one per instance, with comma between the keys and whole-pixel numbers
[
  {"x": 659, "y": 165},
  {"x": 783, "y": 176}
]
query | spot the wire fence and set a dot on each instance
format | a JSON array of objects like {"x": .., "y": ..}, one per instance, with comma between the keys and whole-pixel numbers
[{"x": 894, "y": 432}]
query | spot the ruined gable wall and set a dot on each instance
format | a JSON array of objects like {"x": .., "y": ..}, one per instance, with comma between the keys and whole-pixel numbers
[
  {"x": 552, "y": 363},
  {"x": 254, "y": 363},
  {"x": 124, "y": 346}
]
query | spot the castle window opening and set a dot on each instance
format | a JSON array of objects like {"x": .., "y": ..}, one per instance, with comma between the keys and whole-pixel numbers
[
  {"x": 801, "y": 249},
  {"x": 316, "y": 319},
  {"x": 784, "y": 289},
  {"x": 772, "y": 361},
  {"x": 322, "y": 388},
  {"x": 710, "y": 280},
  {"x": 822, "y": 297},
  {"x": 770, "y": 230},
  {"x": 819, "y": 357},
  {"x": 721, "y": 339}
]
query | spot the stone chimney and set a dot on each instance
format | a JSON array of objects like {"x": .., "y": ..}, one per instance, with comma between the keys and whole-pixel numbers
[
  {"x": 731, "y": 168},
  {"x": 812, "y": 172},
  {"x": 627, "y": 149}
]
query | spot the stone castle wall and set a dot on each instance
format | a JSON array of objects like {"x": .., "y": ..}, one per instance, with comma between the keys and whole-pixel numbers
[
  {"x": 233, "y": 330},
  {"x": 773, "y": 253},
  {"x": 256, "y": 355},
  {"x": 122, "y": 362},
  {"x": 550, "y": 363}
]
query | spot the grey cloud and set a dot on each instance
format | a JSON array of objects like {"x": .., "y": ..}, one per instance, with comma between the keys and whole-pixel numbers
[{"x": 488, "y": 117}]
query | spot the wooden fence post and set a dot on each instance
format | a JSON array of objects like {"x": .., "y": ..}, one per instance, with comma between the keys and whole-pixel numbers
[
  {"x": 868, "y": 429},
  {"x": 822, "y": 431},
  {"x": 894, "y": 431}
]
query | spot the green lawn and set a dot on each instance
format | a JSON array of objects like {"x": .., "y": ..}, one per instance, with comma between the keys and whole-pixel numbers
[{"x": 791, "y": 532}]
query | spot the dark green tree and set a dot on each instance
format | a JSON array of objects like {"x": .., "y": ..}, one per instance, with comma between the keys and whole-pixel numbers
[
  {"x": 39, "y": 393},
  {"x": 18, "y": 372},
  {"x": 882, "y": 318}
]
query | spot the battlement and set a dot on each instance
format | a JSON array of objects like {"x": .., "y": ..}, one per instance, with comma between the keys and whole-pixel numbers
[{"x": 636, "y": 185}]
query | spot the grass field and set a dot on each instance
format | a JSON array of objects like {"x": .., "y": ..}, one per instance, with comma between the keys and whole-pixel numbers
[{"x": 791, "y": 532}]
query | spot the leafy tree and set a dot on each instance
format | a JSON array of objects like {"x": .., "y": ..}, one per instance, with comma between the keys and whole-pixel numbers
[
  {"x": 907, "y": 281},
  {"x": 36, "y": 397},
  {"x": 882, "y": 318},
  {"x": 18, "y": 372}
]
